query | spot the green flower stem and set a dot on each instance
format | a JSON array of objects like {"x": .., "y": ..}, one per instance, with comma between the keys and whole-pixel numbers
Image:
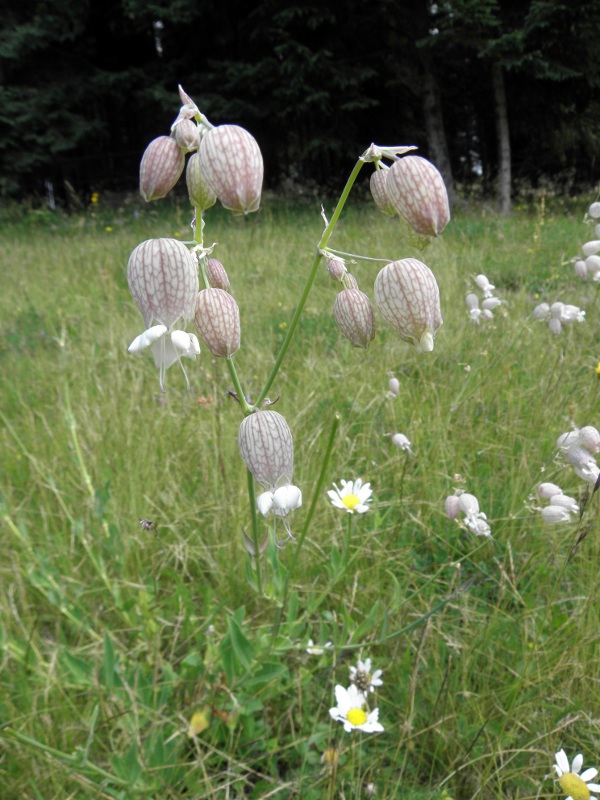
[
  {"x": 254, "y": 520},
  {"x": 310, "y": 280},
  {"x": 247, "y": 409},
  {"x": 313, "y": 504},
  {"x": 347, "y": 537}
]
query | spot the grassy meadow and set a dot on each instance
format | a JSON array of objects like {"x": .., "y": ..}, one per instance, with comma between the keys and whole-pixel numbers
[{"x": 144, "y": 663}]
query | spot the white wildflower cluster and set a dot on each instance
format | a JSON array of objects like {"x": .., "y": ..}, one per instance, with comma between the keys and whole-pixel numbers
[
  {"x": 560, "y": 507},
  {"x": 558, "y": 314},
  {"x": 352, "y": 708},
  {"x": 488, "y": 303},
  {"x": 587, "y": 263},
  {"x": 579, "y": 447},
  {"x": 462, "y": 502}
]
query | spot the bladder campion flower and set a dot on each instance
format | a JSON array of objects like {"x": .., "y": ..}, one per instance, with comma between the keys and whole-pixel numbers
[
  {"x": 362, "y": 677},
  {"x": 574, "y": 785},
  {"x": 350, "y": 711},
  {"x": 408, "y": 298},
  {"x": 266, "y": 445},
  {"x": 416, "y": 190},
  {"x": 232, "y": 166},
  {"x": 163, "y": 280},
  {"x": 352, "y": 497}
]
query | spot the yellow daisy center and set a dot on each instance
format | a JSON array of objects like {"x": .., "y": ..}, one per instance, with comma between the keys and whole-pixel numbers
[
  {"x": 351, "y": 501},
  {"x": 574, "y": 786},
  {"x": 358, "y": 717}
]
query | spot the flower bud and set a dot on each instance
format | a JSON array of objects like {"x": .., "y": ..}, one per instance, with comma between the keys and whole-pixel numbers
[
  {"x": 401, "y": 442},
  {"x": 580, "y": 269},
  {"x": 547, "y": 490},
  {"x": 472, "y": 301},
  {"x": 591, "y": 248},
  {"x": 555, "y": 325},
  {"x": 163, "y": 280},
  {"x": 408, "y": 298},
  {"x": 483, "y": 283},
  {"x": 190, "y": 109},
  {"x": 592, "y": 264},
  {"x": 336, "y": 268},
  {"x": 416, "y": 190},
  {"x": 490, "y": 303},
  {"x": 160, "y": 168},
  {"x": 379, "y": 193},
  {"x": 394, "y": 386},
  {"x": 555, "y": 514},
  {"x": 232, "y": 165},
  {"x": 542, "y": 311},
  {"x": 589, "y": 438},
  {"x": 216, "y": 274},
  {"x": 200, "y": 193},
  {"x": 266, "y": 445},
  {"x": 468, "y": 504},
  {"x": 451, "y": 505},
  {"x": 578, "y": 456},
  {"x": 594, "y": 211},
  {"x": 564, "y": 501},
  {"x": 567, "y": 440},
  {"x": 355, "y": 316},
  {"x": 349, "y": 281},
  {"x": 557, "y": 310},
  {"x": 217, "y": 319},
  {"x": 186, "y": 135}
]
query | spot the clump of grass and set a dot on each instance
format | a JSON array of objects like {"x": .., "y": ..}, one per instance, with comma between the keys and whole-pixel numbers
[{"x": 115, "y": 634}]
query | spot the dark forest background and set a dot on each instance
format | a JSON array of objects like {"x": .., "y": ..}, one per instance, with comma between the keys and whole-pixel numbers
[{"x": 498, "y": 93}]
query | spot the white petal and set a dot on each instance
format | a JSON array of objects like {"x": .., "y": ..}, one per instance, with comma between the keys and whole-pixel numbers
[
  {"x": 264, "y": 502},
  {"x": 146, "y": 338},
  {"x": 343, "y": 700},
  {"x": 562, "y": 761},
  {"x": 576, "y": 764},
  {"x": 287, "y": 498},
  {"x": 587, "y": 774}
]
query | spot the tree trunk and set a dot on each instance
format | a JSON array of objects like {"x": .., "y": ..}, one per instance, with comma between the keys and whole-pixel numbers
[
  {"x": 502, "y": 138},
  {"x": 434, "y": 124}
]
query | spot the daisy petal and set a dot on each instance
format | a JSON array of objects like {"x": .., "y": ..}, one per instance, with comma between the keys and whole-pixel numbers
[
  {"x": 562, "y": 761},
  {"x": 587, "y": 774},
  {"x": 577, "y": 764}
]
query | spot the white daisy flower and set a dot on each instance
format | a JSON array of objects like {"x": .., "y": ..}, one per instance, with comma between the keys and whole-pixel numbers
[
  {"x": 574, "y": 785},
  {"x": 352, "y": 497},
  {"x": 350, "y": 711},
  {"x": 314, "y": 650},
  {"x": 363, "y": 678}
]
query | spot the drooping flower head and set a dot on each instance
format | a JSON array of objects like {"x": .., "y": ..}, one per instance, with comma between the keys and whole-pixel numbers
[
  {"x": 355, "y": 317},
  {"x": 266, "y": 445},
  {"x": 350, "y": 711},
  {"x": 408, "y": 298},
  {"x": 352, "y": 497},
  {"x": 217, "y": 320},
  {"x": 232, "y": 166},
  {"x": 416, "y": 190},
  {"x": 161, "y": 167},
  {"x": 574, "y": 785},
  {"x": 163, "y": 280}
]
